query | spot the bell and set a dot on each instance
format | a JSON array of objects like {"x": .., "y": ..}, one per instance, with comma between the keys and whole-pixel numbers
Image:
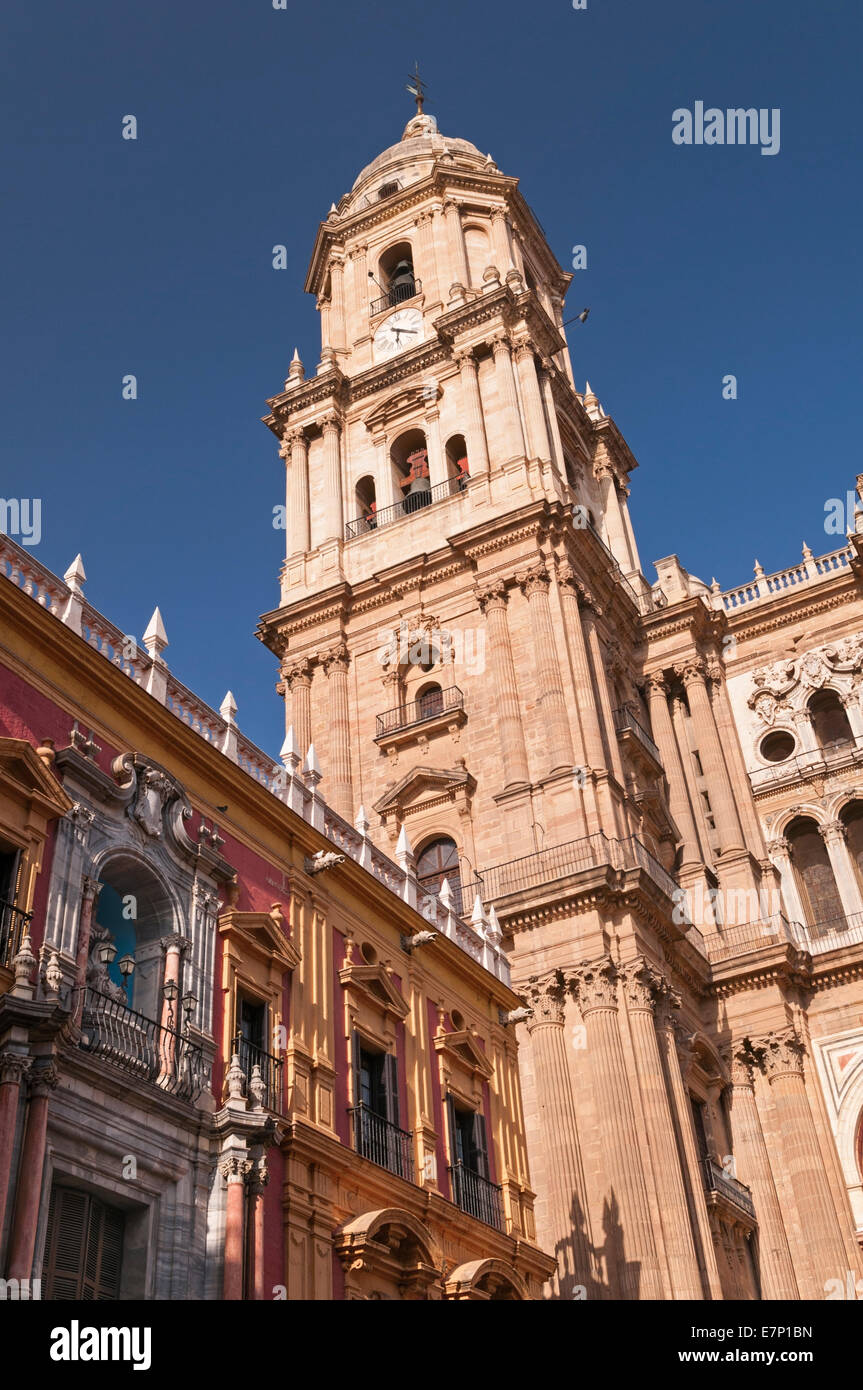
[{"x": 402, "y": 281}]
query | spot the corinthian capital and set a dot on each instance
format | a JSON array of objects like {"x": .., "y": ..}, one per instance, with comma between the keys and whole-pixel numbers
[
  {"x": 235, "y": 1168},
  {"x": 741, "y": 1061},
  {"x": 642, "y": 985},
  {"x": 296, "y": 670},
  {"x": 13, "y": 1066},
  {"x": 690, "y": 672},
  {"x": 594, "y": 985},
  {"x": 491, "y": 593},
  {"x": 656, "y": 684},
  {"x": 336, "y": 659},
  {"x": 533, "y": 581},
  {"x": 781, "y": 1054},
  {"x": 833, "y": 832},
  {"x": 547, "y": 999},
  {"x": 714, "y": 671},
  {"x": 465, "y": 358}
]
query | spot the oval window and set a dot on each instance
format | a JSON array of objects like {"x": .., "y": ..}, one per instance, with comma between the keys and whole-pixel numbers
[{"x": 778, "y": 746}]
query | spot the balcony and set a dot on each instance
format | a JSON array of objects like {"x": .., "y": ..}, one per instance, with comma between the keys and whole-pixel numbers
[
  {"x": 476, "y": 1196},
  {"x": 828, "y": 759},
  {"x": 446, "y": 705},
  {"x": 625, "y": 723},
  {"x": 378, "y": 1139},
  {"x": 139, "y": 1046},
  {"x": 720, "y": 1187},
  {"x": 547, "y": 866},
  {"x": 416, "y": 502},
  {"x": 13, "y": 923},
  {"x": 269, "y": 1076},
  {"x": 409, "y": 289}
]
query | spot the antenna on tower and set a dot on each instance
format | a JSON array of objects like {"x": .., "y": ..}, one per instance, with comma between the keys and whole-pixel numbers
[{"x": 417, "y": 88}]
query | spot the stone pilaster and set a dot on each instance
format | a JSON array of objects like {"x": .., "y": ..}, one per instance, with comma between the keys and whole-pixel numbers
[
  {"x": 477, "y": 445},
  {"x": 535, "y": 430},
  {"x": 722, "y": 799},
  {"x": 298, "y": 534},
  {"x": 551, "y": 706},
  {"x": 752, "y": 1166},
  {"x": 332, "y": 519},
  {"x": 678, "y": 799},
  {"x": 510, "y": 414},
  {"x": 642, "y": 987},
  {"x": 822, "y": 1254},
  {"x": 339, "y": 783},
  {"x": 43, "y": 1079},
  {"x": 492, "y": 599},
  {"x": 297, "y": 675}
]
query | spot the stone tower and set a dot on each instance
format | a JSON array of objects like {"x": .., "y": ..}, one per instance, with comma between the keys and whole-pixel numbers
[{"x": 466, "y": 638}]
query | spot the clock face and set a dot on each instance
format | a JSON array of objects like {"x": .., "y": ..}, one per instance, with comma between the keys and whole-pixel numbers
[{"x": 402, "y": 330}]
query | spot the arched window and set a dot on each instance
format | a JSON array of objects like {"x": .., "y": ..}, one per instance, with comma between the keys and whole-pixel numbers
[
  {"x": 409, "y": 458},
  {"x": 133, "y": 913},
  {"x": 439, "y": 861},
  {"x": 456, "y": 462},
  {"x": 815, "y": 881},
  {"x": 430, "y": 701},
  {"x": 396, "y": 274},
  {"x": 851, "y": 817},
  {"x": 829, "y": 719},
  {"x": 366, "y": 501}
]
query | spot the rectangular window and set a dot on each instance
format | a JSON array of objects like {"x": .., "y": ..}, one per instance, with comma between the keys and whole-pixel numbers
[
  {"x": 700, "y": 1127},
  {"x": 697, "y": 760},
  {"x": 83, "y": 1248},
  {"x": 377, "y": 1134},
  {"x": 250, "y": 1045},
  {"x": 472, "y": 1189}
]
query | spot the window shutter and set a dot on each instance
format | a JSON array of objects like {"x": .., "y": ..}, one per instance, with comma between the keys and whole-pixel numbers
[
  {"x": 355, "y": 1066},
  {"x": 480, "y": 1147},
  {"x": 455, "y": 1145},
  {"x": 83, "y": 1248},
  {"x": 391, "y": 1087}
]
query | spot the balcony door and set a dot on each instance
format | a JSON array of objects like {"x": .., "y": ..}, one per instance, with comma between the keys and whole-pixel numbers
[
  {"x": 83, "y": 1248},
  {"x": 439, "y": 861}
]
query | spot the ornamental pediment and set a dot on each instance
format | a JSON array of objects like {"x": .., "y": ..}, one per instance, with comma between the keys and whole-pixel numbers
[
  {"x": 264, "y": 933},
  {"x": 789, "y": 682},
  {"x": 21, "y": 766},
  {"x": 423, "y": 784},
  {"x": 463, "y": 1048},
  {"x": 405, "y": 402},
  {"x": 377, "y": 985}
]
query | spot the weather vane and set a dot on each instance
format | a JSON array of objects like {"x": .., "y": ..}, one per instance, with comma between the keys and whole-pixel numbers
[{"x": 417, "y": 88}]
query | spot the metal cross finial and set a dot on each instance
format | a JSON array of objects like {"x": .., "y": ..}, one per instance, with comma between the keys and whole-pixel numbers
[{"x": 417, "y": 87}]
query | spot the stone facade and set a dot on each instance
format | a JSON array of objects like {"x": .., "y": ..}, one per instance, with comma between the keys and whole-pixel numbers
[{"x": 467, "y": 639}]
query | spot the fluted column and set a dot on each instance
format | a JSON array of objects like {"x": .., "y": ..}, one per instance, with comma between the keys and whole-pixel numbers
[
  {"x": 507, "y": 396},
  {"x": 339, "y": 785},
  {"x": 835, "y": 837},
  {"x": 297, "y": 675},
  {"x": 459, "y": 268},
  {"x": 89, "y": 898},
  {"x": 727, "y": 730},
  {"x": 591, "y": 755},
  {"x": 500, "y": 240},
  {"x": 385, "y": 485},
  {"x": 590, "y": 612},
  {"x": 634, "y": 1272},
  {"x": 359, "y": 291},
  {"x": 337, "y": 311},
  {"x": 555, "y": 440},
  {"x": 492, "y": 599},
  {"x": 712, "y": 760},
  {"x": 679, "y": 725},
  {"x": 477, "y": 445},
  {"x": 425, "y": 262},
  {"x": 234, "y": 1169},
  {"x": 534, "y": 584},
  {"x": 537, "y": 434},
  {"x": 332, "y": 509},
  {"x": 821, "y": 1254},
  {"x": 13, "y": 1068},
  {"x": 678, "y": 800},
  {"x": 667, "y": 1028},
  {"x": 22, "y": 1242},
  {"x": 295, "y": 451},
  {"x": 566, "y": 1193},
  {"x": 324, "y": 308},
  {"x": 752, "y": 1166},
  {"x": 642, "y": 986},
  {"x": 779, "y": 851},
  {"x": 437, "y": 462},
  {"x": 615, "y": 528}
]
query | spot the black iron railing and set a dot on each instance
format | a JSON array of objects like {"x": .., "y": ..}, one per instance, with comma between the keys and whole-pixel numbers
[
  {"x": 140, "y": 1046},
  {"x": 624, "y": 719},
  {"x": 477, "y": 1196},
  {"x": 383, "y": 1142},
  {"x": 269, "y": 1075},
  {"x": 397, "y": 295},
  {"x": 412, "y": 504},
  {"x": 13, "y": 923},
  {"x": 717, "y": 1180},
  {"x": 418, "y": 711},
  {"x": 545, "y": 866}
]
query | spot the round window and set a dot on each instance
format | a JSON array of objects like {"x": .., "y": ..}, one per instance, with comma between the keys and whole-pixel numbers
[{"x": 778, "y": 746}]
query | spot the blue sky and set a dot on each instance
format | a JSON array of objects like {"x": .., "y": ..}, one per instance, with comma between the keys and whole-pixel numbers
[{"x": 154, "y": 257}]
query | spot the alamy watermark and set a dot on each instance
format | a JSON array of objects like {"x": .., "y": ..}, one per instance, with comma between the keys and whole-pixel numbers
[
  {"x": 407, "y": 647},
  {"x": 725, "y": 907},
  {"x": 735, "y": 126},
  {"x": 21, "y": 517}
]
